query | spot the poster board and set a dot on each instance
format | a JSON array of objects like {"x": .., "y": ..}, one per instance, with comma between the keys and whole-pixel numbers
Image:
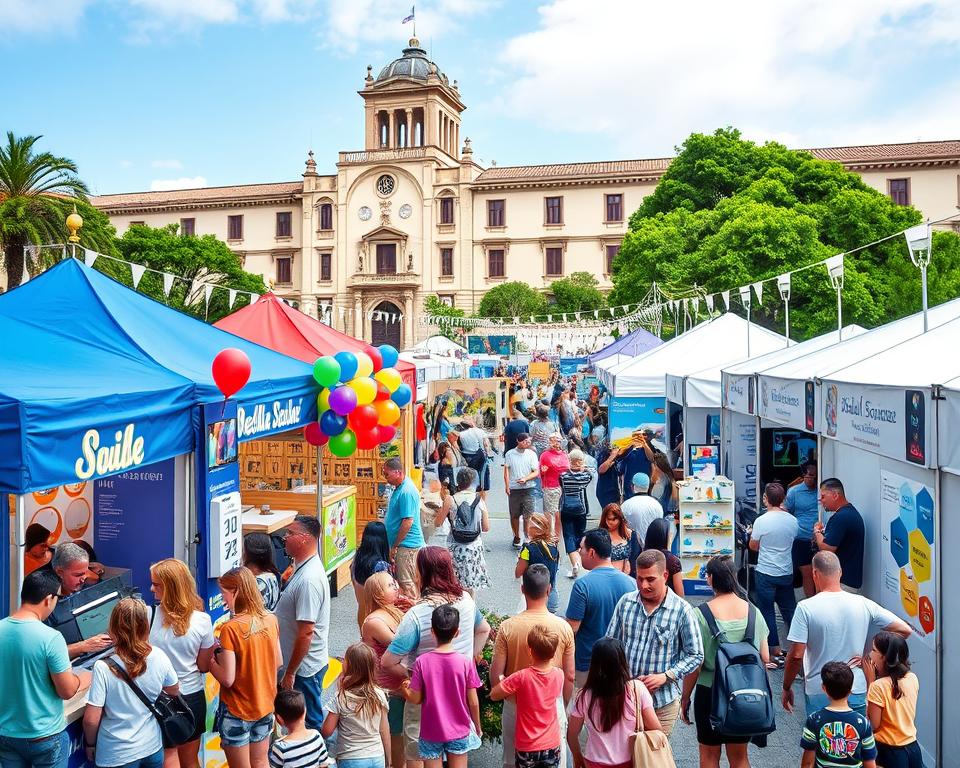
[
  {"x": 491, "y": 345},
  {"x": 703, "y": 461},
  {"x": 538, "y": 370},
  {"x": 627, "y": 414},
  {"x": 483, "y": 399},
  {"x": 909, "y": 580}
]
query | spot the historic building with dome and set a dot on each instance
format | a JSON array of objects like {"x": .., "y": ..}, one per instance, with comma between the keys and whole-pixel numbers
[{"x": 413, "y": 214}]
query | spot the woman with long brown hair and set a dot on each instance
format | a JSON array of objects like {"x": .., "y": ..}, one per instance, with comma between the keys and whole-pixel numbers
[
  {"x": 358, "y": 713},
  {"x": 118, "y": 730},
  {"x": 245, "y": 664},
  {"x": 183, "y": 630},
  {"x": 624, "y": 541}
]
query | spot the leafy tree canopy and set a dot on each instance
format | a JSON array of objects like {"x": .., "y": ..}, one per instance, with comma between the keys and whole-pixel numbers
[
  {"x": 577, "y": 293},
  {"x": 729, "y": 212},
  {"x": 435, "y": 307},
  {"x": 202, "y": 258},
  {"x": 511, "y": 300}
]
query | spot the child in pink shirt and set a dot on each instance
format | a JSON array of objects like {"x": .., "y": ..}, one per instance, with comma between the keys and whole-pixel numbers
[
  {"x": 445, "y": 683},
  {"x": 536, "y": 689}
]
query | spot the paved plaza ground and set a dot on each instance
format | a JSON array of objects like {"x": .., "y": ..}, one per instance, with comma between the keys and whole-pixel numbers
[{"x": 504, "y": 596}]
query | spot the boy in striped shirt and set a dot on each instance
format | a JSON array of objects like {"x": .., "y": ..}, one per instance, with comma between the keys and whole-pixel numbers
[{"x": 301, "y": 747}]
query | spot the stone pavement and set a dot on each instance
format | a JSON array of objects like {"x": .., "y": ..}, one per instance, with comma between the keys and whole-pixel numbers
[{"x": 504, "y": 598}]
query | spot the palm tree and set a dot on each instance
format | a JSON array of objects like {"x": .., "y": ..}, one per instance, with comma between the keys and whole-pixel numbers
[{"x": 36, "y": 190}]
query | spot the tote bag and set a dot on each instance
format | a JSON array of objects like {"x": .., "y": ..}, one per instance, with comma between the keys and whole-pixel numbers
[{"x": 651, "y": 749}]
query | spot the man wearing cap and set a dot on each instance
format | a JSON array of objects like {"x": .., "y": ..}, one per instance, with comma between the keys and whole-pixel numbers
[
  {"x": 641, "y": 509},
  {"x": 521, "y": 468}
]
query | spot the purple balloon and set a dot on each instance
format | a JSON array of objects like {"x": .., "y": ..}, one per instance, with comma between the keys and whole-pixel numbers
[
  {"x": 331, "y": 424},
  {"x": 343, "y": 400}
]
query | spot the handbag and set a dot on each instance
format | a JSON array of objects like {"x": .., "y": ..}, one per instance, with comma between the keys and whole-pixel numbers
[
  {"x": 651, "y": 749},
  {"x": 175, "y": 718}
]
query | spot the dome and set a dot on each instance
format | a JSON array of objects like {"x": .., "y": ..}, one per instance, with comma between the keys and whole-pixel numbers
[{"x": 413, "y": 65}]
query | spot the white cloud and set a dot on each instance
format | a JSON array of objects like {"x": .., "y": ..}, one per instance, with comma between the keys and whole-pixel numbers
[
  {"x": 183, "y": 11},
  {"x": 172, "y": 164},
  {"x": 184, "y": 182},
  {"x": 648, "y": 73},
  {"x": 28, "y": 16}
]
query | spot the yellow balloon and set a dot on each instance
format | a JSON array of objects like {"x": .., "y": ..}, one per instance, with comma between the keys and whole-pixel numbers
[
  {"x": 323, "y": 401},
  {"x": 388, "y": 412},
  {"x": 389, "y": 378},
  {"x": 364, "y": 366},
  {"x": 365, "y": 387}
]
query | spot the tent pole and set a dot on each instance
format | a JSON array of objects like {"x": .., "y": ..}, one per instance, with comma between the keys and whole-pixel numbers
[{"x": 18, "y": 561}]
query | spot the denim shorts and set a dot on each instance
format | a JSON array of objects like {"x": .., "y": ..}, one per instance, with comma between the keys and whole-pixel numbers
[
  {"x": 235, "y": 732},
  {"x": 48, "y": 752},
  {"x": 362, "y": 762},
  {"x": 437, "y": 750}
]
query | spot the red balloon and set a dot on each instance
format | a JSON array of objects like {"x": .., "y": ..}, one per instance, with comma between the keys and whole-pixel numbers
[
  {"x": 368, "y": 440},
  {"x": 382, "y": 393},
  {"x": 314, "y": 435},
  {"x": 362, "y": 419},
  {"x": 376, "y": 357},
  {"x": 231, "y": 371},
  {"x": 386, "y": 434}
]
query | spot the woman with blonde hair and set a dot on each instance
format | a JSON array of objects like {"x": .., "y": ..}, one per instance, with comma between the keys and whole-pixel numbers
[
  {"x": 118, "y": 730},
  {"x": 378, "y": 630},
  {"x": 358, "y": 713},
  {"x": 245, "y": 664},
  {"x": 183, "y": 630},
  {"x": 541, "y": 548}
]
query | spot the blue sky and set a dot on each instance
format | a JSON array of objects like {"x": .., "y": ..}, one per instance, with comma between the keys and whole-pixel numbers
[{"x": 166, "y": 93}]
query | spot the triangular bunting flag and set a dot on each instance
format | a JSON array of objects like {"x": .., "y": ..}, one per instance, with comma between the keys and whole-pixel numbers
[
  {"x": 167, "y": 284},
  {"x": 745, "y": 296},
  {"x": 758, "y": 290},
  {"x": 726, "y": 299},
  {"x": 596, "y": 314},
  {"x": 89, "y": 257},
  {"x": 233, "y": 297},
  {"x": 207, "y": 290},
  {"x": 516, "y": 321},
  {"x": 136, "y": 272},
  {"x": 709, "y": 301}
]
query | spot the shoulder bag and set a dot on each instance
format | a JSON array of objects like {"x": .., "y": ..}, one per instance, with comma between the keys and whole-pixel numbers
[
  {"x": 651, "y": 749},
  {"x": 176, "y": 720}
]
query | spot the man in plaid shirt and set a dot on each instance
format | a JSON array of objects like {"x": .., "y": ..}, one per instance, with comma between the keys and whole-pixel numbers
[{"x": 659, "y": 634}]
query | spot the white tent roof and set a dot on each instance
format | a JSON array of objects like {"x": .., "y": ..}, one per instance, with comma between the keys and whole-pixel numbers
[
  {"x": 712, "y": 343},
  {"x": 432, "y": 368},
  {"x": 438, "y": 345}
]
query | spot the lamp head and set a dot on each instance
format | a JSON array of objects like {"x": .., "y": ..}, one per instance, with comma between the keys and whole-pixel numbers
[{"x": 919, "y": 241}]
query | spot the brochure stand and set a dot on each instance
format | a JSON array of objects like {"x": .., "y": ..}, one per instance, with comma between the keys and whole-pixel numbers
[{"x": 706, "y": 527}]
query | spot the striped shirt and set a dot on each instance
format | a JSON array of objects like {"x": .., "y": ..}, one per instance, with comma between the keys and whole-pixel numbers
[
  {"x": 575, "y": 484},
  {"x": 666, "y": 640},
  {"x": 308, "y": 753}
]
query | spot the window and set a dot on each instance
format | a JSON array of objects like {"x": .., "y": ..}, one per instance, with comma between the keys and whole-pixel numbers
[
  {"x": 284, "y": 224},
  {"x": 554, "y": 211},
  {"x": 188, "y": 226},
  {"x": 326, "y": 268},
  {"x": 495, "y": 213},
  {"x": 386, "y": 258},
  {"x": 326, "y": 216},
  {"x": 900, "y": 191},
  {"x": 446, "y": 210},
  {"x": 386, "y": 185},
  {"x": 446, "y": 262},
  {"x": 284, "y": 271},
  {"x": 138, "y": 223},
  {"x": 554, "y": 261},
  {"x": 495, "y": 265},
  {"x": 614, "y": 208},
  {"x": 611, "y": 252},
  {"x": 234, "y": 227}
]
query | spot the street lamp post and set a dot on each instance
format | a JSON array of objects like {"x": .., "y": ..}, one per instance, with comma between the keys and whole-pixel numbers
[
  {"x": 919, "y": 241},
  {"x": 835, "y": 270},
  {"x": 783, "y": 285}
]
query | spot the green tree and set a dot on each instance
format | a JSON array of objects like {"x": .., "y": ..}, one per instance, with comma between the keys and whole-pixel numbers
[
  {"x": 511, "y": 300},
  {"x": 194, "y": 258},
  {"x": 729, "y": 212},
  {"x": 433, "y": 306},
  {"x": 578, "y": 293},
  {"x": 37, "y": 192}
]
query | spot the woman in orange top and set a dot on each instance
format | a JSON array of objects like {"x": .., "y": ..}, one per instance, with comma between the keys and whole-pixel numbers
[
  {"x": 36, "y": 548},
  {"x": 245, "y": 664},
  {"x": 892, "y": 703}
]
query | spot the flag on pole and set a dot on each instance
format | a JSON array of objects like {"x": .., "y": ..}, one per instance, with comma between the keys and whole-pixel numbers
[{"x": 412, "y": 16}]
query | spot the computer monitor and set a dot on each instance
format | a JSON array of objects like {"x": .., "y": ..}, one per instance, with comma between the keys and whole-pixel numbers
[{"x": 94, "y": 618}]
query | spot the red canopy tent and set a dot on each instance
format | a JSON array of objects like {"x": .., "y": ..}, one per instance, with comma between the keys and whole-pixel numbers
[{"x": 274, "y": 324}]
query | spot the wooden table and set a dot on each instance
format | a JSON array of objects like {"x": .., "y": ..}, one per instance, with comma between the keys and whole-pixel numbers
[{"x": 274, "y": 520}]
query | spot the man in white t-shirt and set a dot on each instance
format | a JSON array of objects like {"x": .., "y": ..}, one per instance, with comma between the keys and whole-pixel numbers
[
  {"x": 833, "y": 625},
  {"x": 641, "y": 509}
]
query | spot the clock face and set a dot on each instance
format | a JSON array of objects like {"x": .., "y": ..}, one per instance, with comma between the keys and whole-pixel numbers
[
  {"x": 385, "y": 185},
  {"x": 405, "y": 211},
  {"x": 364, "y": 213}
]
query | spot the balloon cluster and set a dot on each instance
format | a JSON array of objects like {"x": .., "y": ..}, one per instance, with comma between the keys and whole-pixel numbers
[{"x": 360, "y": 400}]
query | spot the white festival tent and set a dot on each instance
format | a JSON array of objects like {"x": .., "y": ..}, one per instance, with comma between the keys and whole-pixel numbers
[
  {"x": 439, "y": 345},
  {"x": 433, "y": 367},
  {"x": 723, "y": 339}
]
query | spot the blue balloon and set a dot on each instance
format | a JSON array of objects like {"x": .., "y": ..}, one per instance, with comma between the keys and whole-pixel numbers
[
  {"x": 348, "y": 365},
  {"x": 402, "y": 395},
  {"x": 331, "y": 424},
  {"x": 389, "y": 355}
]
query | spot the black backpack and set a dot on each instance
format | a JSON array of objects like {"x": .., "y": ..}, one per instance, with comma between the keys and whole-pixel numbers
[
  {"x": 742, "y": 704},
  {"x": 465, "y": 526}
]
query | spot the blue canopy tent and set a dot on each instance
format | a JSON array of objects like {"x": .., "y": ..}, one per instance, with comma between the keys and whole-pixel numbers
[{"x": 633, "y": 344}]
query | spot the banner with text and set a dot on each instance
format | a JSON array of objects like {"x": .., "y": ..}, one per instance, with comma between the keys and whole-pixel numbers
[
  {"x": 788, "y": 401},
  {"x": 627, "y": 414},
  {"x": 738, "y": 392}
]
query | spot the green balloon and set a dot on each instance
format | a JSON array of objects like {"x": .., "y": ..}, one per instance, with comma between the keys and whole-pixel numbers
[
  {"x": 326, "y": 371},
  {"x": 344, "y": 444}
]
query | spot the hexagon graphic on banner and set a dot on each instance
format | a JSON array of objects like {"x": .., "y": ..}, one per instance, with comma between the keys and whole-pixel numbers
[
  {"x": 920, "y": 559},
  {"x": 927, "y": 620},
  {"x": 899, "y": 545},
  {"x": 909, "y": 593},
  {"x": 908, "y": 507},
  {"x": 925, "y": 514}
]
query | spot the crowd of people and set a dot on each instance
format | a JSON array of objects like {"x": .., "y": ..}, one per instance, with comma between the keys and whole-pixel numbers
[{"x": 628, "y": 653}]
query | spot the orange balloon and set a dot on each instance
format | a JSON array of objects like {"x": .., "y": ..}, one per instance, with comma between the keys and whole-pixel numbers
[{"x": 388, "y": 412}]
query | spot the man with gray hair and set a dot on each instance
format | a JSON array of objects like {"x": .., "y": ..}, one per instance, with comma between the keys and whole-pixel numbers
[
  {"x": 833, "y": 625},
  {"x": 70, "y": 563}
]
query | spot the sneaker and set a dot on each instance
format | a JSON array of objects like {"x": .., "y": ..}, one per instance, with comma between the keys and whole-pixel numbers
[
  {"x": 573, "y": 573},
  {"x": 516, "y": 542}
]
